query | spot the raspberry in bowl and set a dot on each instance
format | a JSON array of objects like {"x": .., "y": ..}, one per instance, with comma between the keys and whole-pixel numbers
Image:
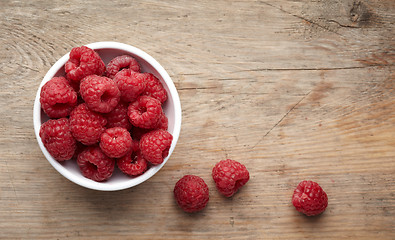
[{"x": 84, "y": 109}]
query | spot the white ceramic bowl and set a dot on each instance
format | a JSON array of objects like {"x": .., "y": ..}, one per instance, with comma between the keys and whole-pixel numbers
[{"x": 172, "y": 109}]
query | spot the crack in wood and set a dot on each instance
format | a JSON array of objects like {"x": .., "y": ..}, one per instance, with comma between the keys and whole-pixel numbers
[
  {"x": 309, "y": 69},
  {"x": 342, "y": 25},
  {"x": 303, "y": 18},
  {"x": 281, "y": 119}
]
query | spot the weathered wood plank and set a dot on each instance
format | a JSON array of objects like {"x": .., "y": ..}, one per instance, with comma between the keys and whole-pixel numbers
[{"x": 293, "y": 89}]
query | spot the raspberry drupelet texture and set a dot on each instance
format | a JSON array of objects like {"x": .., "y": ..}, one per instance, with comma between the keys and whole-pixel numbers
[
  {"x": 115, "y": 142},
  {"x": 133, "y": 163},
  {"x": 101, "y": 94},
  {"x": 162, "y": 123},
  {"x": 121, "y": 62},
  {"x": 155, "y": 145},
  {"x": 154, "y": 88},
  {"x": 58, "y": 98},
  {"x": 83, "y": 62},
  {"x": 57, "y": 139},
  {"x": 118, "y": 117},
  {"x": 94, "y": 164},
  {"x": 229, "y": 176},
  {"x": 309, "y": 198},
  {"x": 145, "y": 112},
  {"x": 131, "y": 84},
  {"x": 191, "y": 193},
  {"x": 86, "y": 125}
]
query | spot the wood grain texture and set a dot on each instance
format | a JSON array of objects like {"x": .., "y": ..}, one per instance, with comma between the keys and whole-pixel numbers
[{"x": 293, "y": 89}]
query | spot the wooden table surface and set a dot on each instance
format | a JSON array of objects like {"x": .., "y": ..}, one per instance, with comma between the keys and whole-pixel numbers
[{"x": 295, "y": 90}]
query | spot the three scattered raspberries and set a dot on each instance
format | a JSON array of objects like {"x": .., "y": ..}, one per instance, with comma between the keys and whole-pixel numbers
[
  {"x": 107, "y": 116},
  {"x": 192, "y": 193}
]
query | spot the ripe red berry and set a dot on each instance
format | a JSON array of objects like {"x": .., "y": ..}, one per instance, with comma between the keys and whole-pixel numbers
[
  {"x": 145, "y": 112},
  {"x": 229, "y": 176},
  {"x": 101, "y": 94},
  {"x": 133, "y": 163},
  {"x": 94, "y": 164},
  {"x": 191, "y": 193},
  {"x": 154, "y": 88},
  {"x": 309, "y": 198},
  {"x": 58, "y": 98},
  {"x": 57, "y": 139},
  {"x": 115, "y": 142},
  {"x": 162, "y": 123},
  {"x": 121, "y": 62},
  {"x": 86, "y": 125},
  {"x": 83, "y": 62},
  {"x": 118, "y": 117},
  {"x": 131, "y": 84},
  {"x": 155, "y": 145}
]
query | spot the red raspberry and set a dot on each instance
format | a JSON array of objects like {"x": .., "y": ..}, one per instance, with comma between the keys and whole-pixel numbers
[
  {"x": 145, "y": 112},
  {"x": 83, "y": 62},
  {"x": 58, "y": 98},
  {"x": 95, "y": 165},
  {"x": 118, "y": 117},
  {"x": 86, "y": 125},
  {"x": 131, "y": 84},
  {"x": 191, "y": 193},
  {"x": 57, "y": 139},
  {"x": 132, "y": 163},
  {"x": 115, "y": 142},
  {"x": 155, "y": 145},
  {"x": 163, "y": 123},
  {"x": 101, "y": 94},
  {"x": 121, "y": 62},
  {"x": 154, "y": 88},
  {"x": 309, "y": 198},
  {"x": 229, "y": 176}
]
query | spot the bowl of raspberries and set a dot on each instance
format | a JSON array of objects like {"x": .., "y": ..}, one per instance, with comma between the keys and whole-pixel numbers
[{"x": 107, "y": 116}]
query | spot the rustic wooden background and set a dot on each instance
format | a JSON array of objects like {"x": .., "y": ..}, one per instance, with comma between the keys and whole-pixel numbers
[{"x": 295, "y": 90}]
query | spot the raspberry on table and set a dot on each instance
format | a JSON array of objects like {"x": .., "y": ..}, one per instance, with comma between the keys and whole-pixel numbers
[
  {"x": 131, "y": 84},
  {"x": 57, "y": 98},
  {"x": 86, "y": 125},
  {"x": 95, "y": 165},
  {"x": 83, "y": 62},
  {"x": 145, "y": 112},
  {"x": 121, "y": 62},
  {"x": 154, "y": 88},
  {"x": 229, "y": 176},
  {"x": 118, "y": 117},
  {"x": 155, "y": 145},
  {"x": 191, "y": 193},
  {"x": 133, "y": 163},
  {"x": 101, "y": 94},
  {"x": 309, "y": 198},
  {"x": 115, "y": 142},
  {"x": 56, "y": 136}
]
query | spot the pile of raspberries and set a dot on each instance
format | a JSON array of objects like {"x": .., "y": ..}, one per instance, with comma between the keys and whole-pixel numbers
[{"x": 105, "y": 116}]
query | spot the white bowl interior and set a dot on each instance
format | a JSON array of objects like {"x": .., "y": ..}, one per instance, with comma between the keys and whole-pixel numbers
[{"x": 172, "y": 109}]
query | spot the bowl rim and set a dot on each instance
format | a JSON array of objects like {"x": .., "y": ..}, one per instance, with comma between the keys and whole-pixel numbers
[{"x": 88, "y": 183}]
